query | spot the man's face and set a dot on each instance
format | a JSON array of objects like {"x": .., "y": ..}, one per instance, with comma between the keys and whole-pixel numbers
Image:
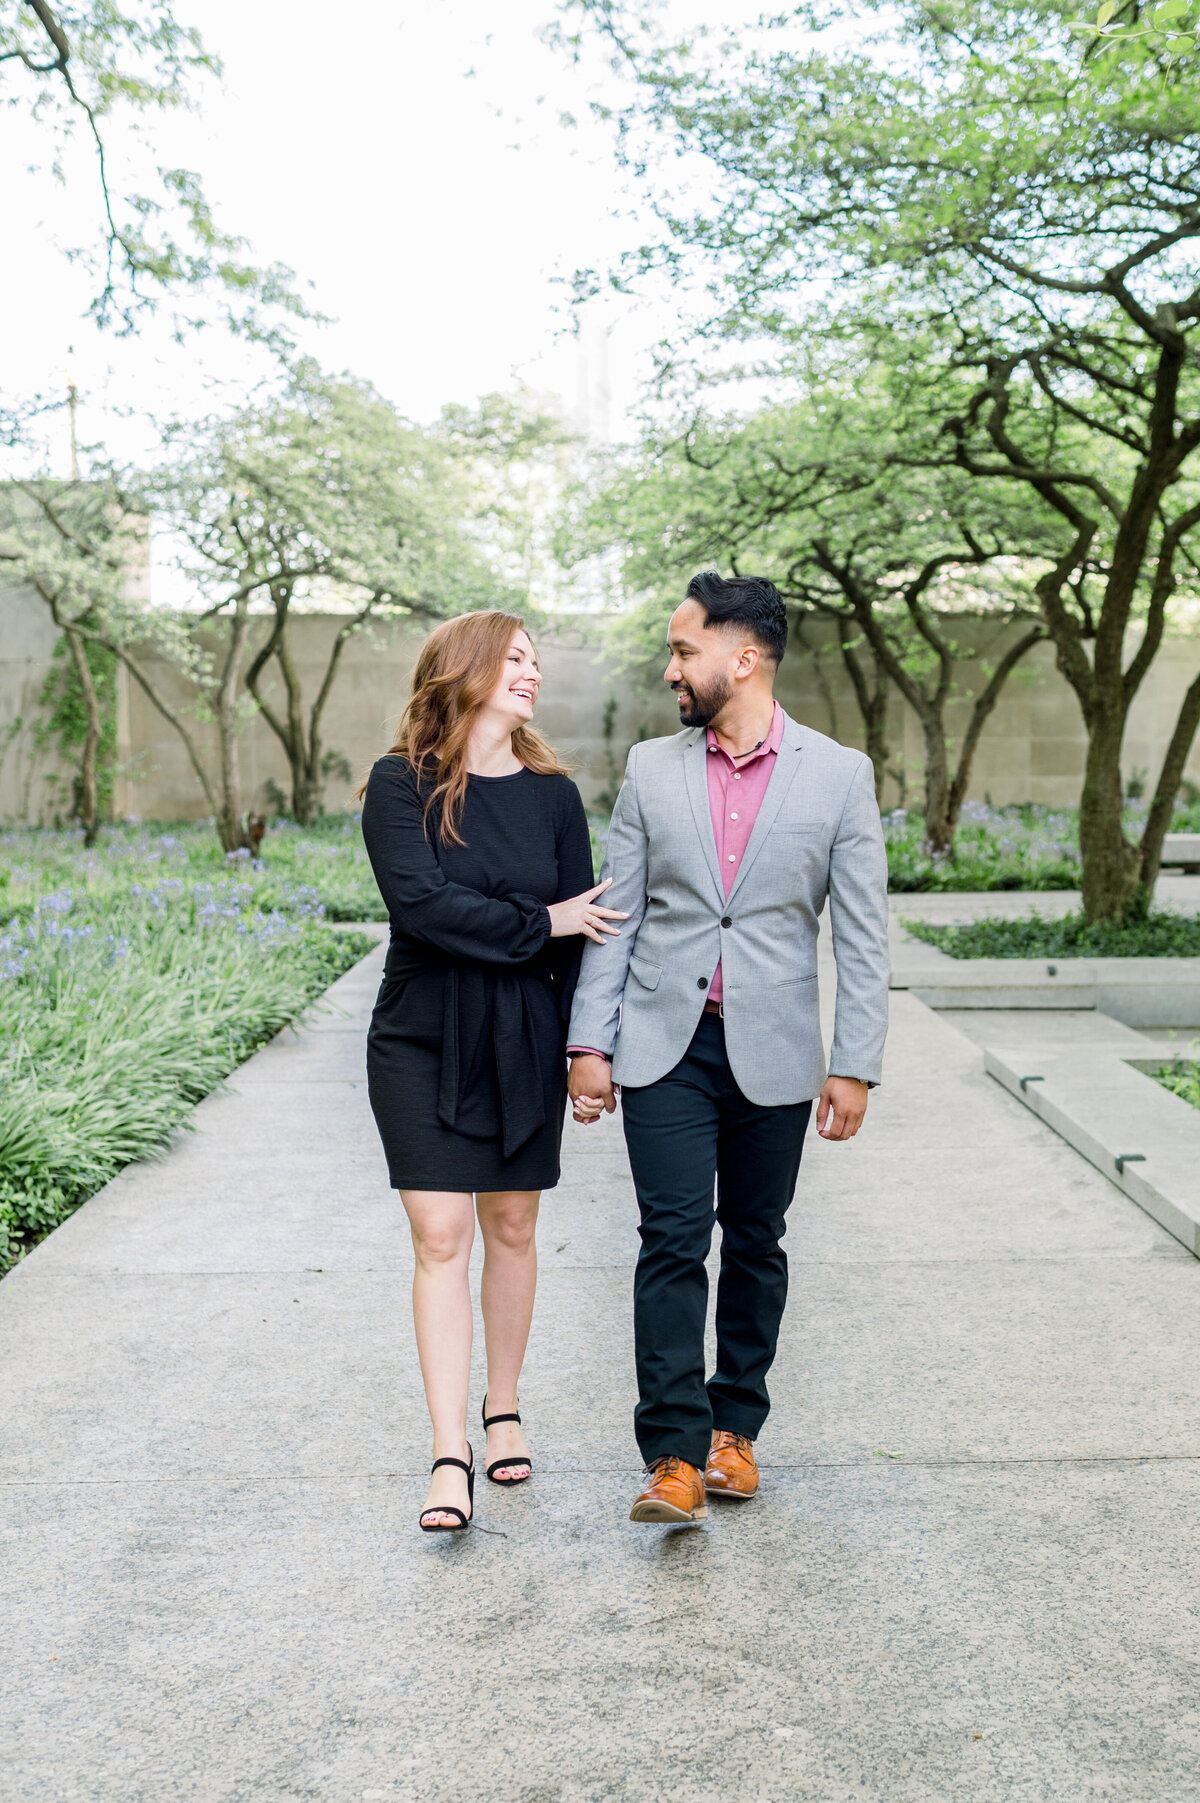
[{"x": 701, "y": 665}]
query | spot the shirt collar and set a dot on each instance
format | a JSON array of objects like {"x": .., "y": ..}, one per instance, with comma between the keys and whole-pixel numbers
[{"x": 768, "y": 748}]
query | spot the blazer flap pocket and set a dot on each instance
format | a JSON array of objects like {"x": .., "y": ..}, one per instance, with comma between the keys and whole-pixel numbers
[
  {"x": 646, "y": 973},
  {"x": 803, "y": 826}
]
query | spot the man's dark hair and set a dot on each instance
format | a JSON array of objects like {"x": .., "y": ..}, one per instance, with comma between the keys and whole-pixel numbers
[{"x": 748, "y": 601}]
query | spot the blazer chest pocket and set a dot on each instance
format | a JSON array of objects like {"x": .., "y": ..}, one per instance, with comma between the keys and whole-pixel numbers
[{"x": 646, "y": 973}]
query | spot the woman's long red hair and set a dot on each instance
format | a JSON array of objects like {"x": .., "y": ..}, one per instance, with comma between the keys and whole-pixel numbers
[{"x": 456, "y": 674}]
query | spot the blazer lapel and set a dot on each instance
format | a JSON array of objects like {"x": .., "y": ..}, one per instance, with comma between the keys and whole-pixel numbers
[
  {"x": 787, "y": 762},
  {"x": 695, "y": 770}
]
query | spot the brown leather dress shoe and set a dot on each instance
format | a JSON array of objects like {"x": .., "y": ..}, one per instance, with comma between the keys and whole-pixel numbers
[
  {"x": 675, "y": 1493},
  {"x": 731, "y": 1469}
]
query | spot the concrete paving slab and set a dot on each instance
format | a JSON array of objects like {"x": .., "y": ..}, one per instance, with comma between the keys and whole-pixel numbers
[
  {"x": 897, "y": 1635},
  {"x": 1122, "y": 1121},
  {"x": 316, "y": 1373},
  {"x": 1046, "y": 1029},
  {"x": 213, "y": 1446},
  {"x": 1173, "y": 890}
]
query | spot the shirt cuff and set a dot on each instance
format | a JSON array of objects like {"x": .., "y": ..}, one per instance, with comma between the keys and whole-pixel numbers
[{"x": 587, "y": 1051}]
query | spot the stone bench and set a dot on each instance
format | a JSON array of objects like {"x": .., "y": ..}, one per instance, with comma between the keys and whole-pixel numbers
[{"x": 1181, "y": 851}]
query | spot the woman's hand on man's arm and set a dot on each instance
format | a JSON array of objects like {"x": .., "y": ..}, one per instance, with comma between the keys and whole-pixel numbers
[{"x": 579, "y": 914}]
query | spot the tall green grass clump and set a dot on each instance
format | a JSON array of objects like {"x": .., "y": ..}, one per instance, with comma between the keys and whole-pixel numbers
[{"x": 122, "y": 1004}]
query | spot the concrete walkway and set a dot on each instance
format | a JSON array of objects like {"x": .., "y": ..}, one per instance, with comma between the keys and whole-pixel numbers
[{"x": 973, "y": 1573}]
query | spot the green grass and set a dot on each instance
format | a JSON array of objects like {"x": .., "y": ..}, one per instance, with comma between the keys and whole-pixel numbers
[
  {"x": 1183, "y": 1080},
  {"x": 1160, "y": 935},
  {"x": 133, "y": 979}
]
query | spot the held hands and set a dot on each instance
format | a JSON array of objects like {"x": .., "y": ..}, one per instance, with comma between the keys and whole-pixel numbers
[
  {"x": 841, "y": 1107},
  {"x": 590, "y": 1086},
  {"x": 581, "y": 915}
]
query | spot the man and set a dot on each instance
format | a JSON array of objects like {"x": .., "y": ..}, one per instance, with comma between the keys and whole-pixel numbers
[{"x": 724, "y": 843}]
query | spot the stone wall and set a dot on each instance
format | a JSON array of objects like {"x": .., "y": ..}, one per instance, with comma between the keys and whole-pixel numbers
[
  {"x": 35, "y": 784},
  {"x": 1032, "y": 748}
]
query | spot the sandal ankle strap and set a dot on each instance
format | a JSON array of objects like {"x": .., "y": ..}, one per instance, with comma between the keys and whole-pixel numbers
[{"x": 462, "y": 1466}]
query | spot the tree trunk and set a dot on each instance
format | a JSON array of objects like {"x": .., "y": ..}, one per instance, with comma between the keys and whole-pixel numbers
[
  {"x": 302, "y": 748},
  {"x": 306, "y": 786},
  {"x": 1158, "y": 820},
  {"x": 87, "y": 803},
  {"x": 1110, "y": 863},
  {"x": 231, "y": 825},
  {"x": 939, "y": 824},
  {"x": 872, "y": 700},
  {"x": 875, "y": 721}
]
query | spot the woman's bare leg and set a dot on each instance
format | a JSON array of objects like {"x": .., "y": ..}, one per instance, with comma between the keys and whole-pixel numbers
[
  {"x": 508, "y": 1220},
  {"x": 443, "y": 1228}
]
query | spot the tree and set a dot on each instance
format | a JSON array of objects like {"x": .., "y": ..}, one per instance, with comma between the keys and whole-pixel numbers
[
  {"x": 324, "y": 495},
  {"x": 81, "y": 546},
  {"x": 1023, "y": 218},
  {"x": 807, "y": 492},
  {"x": 519, "y": 456},
  {"x": 1156, "y": 35},
  {"x": 92, "y": 66}
]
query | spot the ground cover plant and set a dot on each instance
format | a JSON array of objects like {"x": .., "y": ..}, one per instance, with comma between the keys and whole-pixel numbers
[
  {"x": 329, "y": 859},
  {"x": 1023, "y": 846},
  {"x": 133, "y": 977},
  {"x": 1183, "y": 1080},
  {"x": 1160, "y": 934}
]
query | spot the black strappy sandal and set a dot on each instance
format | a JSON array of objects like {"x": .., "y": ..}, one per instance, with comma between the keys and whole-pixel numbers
[
  {"x": 499, "y": 1464},
  {"x": 464, "y": 1521}
]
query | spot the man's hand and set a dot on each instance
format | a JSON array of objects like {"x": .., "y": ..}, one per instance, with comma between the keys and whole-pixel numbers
[
  {"x": 590, "y": 1086},
  {"x": 841, "y": 1107}
]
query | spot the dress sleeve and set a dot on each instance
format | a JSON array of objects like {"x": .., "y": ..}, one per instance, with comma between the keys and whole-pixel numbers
[
  {"x": 418, "y": 896},
  {"x": 573, "y": 847},
  {"x": 576, "y": 872}
]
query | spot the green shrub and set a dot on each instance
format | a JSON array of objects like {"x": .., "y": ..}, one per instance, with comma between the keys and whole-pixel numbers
[
  {"x": 122, "y": 1004},
  {"x": 1182, "y": 1080},
  {"x": 1161, "y": 934}
]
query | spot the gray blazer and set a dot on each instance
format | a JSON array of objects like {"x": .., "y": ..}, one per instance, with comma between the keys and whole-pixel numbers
[{"x": 640, "y": 997}]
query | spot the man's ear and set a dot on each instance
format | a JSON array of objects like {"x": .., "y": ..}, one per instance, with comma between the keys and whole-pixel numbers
[{"x": 747, "y": 661}]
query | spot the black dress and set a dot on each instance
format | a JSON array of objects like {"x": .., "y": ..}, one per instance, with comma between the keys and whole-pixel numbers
[{"x": 466, "y": 1054}]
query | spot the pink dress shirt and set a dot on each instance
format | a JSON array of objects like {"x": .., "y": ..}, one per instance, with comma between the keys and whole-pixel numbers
[
  {"x": 736, "y": 787},
  {"x": 735, "y": 792}
]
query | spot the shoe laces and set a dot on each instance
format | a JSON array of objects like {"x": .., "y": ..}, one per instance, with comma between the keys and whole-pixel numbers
[
  {"x": 741, "y": 1441},
  {"x": 668, "y": 1466}
]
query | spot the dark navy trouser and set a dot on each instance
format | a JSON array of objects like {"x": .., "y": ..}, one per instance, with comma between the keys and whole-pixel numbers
[{"x": 692, "y": 1129}]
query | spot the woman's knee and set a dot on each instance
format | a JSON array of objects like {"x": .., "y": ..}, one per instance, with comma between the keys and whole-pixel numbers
[
  {"x": 438, "y": 1242},
  {"x": 509, "y": 1222}
]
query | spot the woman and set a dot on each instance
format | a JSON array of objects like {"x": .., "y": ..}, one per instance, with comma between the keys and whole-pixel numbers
[{"x": 480, "y": 846}]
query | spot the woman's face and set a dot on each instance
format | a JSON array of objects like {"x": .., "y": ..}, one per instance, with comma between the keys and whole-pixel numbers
[{"x": 516, "y": 692}]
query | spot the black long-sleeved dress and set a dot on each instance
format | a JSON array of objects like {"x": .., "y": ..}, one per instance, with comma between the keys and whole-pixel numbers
[{"x": 466, "y": 1054}]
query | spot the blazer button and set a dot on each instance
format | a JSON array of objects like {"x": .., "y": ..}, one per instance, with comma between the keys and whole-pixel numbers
[
  {"x": 701, "y": 982},
  {"x": 727, "y": 922}
]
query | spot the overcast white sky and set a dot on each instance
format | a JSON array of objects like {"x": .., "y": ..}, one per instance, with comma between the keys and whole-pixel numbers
[{"x": 406, "y": 157}]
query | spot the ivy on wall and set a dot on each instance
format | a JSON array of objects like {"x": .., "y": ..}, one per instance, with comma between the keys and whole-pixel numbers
[{"x": 63, "y": 721}]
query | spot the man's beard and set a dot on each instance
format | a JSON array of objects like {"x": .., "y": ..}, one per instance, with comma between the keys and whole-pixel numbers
[{"x": 700, "y": 707}]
